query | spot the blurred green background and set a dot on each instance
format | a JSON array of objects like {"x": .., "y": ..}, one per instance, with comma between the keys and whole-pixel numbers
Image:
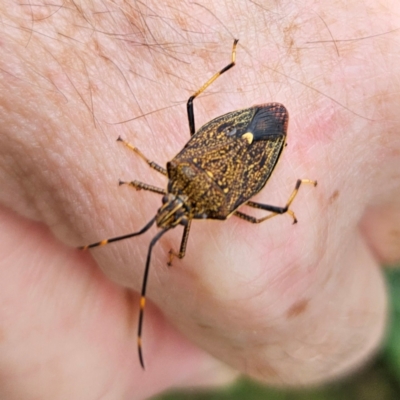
[{"x": 378, "y": 381}]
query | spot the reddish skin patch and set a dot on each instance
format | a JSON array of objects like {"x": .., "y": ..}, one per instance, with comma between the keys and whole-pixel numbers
[{"x": 297, "y": 308}]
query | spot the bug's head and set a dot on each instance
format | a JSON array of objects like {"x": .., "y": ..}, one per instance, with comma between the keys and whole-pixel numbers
[{"x": 173, "y": 212}]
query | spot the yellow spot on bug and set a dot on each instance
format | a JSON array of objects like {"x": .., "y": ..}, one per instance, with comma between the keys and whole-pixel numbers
[
  {"x": 195, "y": 160},
  {"x": 210, "y": 174},
  {"x": 249, "y": 137},
  {"x": 226, "y": 190}
]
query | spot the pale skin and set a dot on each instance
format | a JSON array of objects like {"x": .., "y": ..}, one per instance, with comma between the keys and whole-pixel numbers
[{"x": 285, "y": 304}]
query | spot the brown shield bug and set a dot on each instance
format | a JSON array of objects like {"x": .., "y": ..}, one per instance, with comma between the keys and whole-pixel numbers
[{"x": 222, "y": 166}]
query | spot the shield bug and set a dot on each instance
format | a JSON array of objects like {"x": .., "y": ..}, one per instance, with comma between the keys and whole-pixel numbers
[{"x": 223, "y": 165}]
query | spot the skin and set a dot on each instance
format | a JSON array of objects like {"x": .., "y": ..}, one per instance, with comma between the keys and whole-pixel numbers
[{"x": 291, "y": 305}]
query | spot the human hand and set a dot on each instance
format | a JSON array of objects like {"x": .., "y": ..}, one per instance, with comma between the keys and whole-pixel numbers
[{"x": 285, "y": 304}]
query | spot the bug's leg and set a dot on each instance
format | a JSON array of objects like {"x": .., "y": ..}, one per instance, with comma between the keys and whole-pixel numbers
[
  {"x": 274, "y": 209},
  {"x": 189, "y": 105},
  {"x": 118, "y": 238},
  {"x": 141, "y": 185},
  {"x": 152, "y": 164},
  {"x": 182, "y": 249}
]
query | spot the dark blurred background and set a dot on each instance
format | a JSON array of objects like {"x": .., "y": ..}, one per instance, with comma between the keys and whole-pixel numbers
[{"x": 380, "y": 380}]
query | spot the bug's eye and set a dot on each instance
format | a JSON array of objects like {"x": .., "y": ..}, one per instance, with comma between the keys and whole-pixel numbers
[{"x": 165, "y": 199}]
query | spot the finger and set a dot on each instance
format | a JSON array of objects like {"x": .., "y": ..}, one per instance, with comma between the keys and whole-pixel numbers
[
  {"x": 67, "y": 331},
  {"x": 293, "y": 317}
]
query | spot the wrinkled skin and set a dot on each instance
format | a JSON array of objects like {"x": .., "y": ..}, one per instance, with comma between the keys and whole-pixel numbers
[{"x": 285, "y": 304}]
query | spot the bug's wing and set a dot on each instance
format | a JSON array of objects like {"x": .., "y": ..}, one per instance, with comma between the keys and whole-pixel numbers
[
  {"x": 257, "y": 165},
  {"x": 268, "y": 128},
  {"x": 241, "y": 164},
  {"x": 268, "y": 121}
]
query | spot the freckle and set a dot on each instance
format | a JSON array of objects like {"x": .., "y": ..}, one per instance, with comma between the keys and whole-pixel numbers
[
  {"x": 297, "y": 308},
  {"x": 394, "y": 234},
  {"x": 333, "y": 197},
  {"x": 204, "y": 326}
]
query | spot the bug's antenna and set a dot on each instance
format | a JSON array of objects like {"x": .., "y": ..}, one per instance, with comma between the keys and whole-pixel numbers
[{"x": 143, "y": 293}]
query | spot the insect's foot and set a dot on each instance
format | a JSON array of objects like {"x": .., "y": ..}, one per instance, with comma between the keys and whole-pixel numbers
[
  {"x": 291, "y": 213},
  {"x": 308, "y": 181}
]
